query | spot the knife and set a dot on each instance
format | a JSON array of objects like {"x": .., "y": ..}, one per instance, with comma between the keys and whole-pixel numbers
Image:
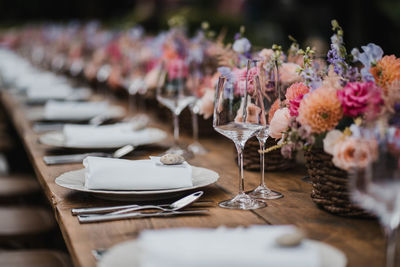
[
  {"x": 134, "y": 215},
  {"x": 73, "y": 158},
  {"x": 101, "y": 210}
]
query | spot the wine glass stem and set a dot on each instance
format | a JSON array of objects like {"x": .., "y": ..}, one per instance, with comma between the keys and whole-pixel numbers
[
  {"x": 195, "y": 126},
  {"x": 176, "y": 128},
  {"x": 262, "y": 163},
  {"x": 391, "y": 236},
  {"x": 239, "y": 149}
]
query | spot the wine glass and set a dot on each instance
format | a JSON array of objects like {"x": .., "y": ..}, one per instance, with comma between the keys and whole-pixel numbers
[
  {"x": 173, "y": 93},
  {"x": 261, "y": 96},
  {"x": 196, "y": 77},
  {"x": 375, "y": 178},
  {"x": 230, "y": 121}
]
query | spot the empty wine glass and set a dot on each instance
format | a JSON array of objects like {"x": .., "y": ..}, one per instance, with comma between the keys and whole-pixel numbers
[
  {"x": 196, "y": 78},
  {"x": 230, "y": 121},
  {"x": 375, "y": 178},
  {"x": 263, "y": 91},
  {"x": 173, "y": 93}
]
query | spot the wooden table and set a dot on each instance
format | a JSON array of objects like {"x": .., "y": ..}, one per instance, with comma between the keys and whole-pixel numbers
[{"x": 361, "y": 240}]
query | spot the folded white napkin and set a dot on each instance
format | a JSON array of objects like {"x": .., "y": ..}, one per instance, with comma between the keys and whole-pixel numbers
[
  {"x": 254, "y": 246},
  {"x": 70, "y": 110},
  {"x": 43, "y": 92},
  {"x": 121, "y": 174},
  {"x": 113, "y": 135}
]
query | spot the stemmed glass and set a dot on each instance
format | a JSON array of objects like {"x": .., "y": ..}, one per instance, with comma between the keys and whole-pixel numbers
[
  {"x": 230, "y": 121},
  {"x": 196, "y": 76},
  {"x": 375, "y": 179},
  {"x": 173, "y": 93},
  {"x": 261, "y": 96}
]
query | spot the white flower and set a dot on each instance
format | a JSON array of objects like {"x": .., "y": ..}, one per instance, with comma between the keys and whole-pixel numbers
[
  {"x": 242, "y": 45},
  {"x": 330, "y": 141}
]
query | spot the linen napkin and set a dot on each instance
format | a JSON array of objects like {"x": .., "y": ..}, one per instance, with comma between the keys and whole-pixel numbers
[
  {"x": 43, "y": 92},
  {"x": 74, "y": 110},
  {"x": 121, "y": 174},
  {"x": 254, "y": 246},
  {"x": 113, "y": 135}
]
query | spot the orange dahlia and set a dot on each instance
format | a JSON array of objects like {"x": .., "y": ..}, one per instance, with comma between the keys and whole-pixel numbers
[
  {"x": 321, "y": 110},
  {"x": 295, "y": 90},
  {"x": 273, "y": 109},
  {"x": 386, "y": 71}
]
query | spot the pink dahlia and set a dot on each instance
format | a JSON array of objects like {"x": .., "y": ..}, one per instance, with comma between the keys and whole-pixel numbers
[
  {"x": 357, "y": 97},
  {"x": 295, "y": 90}
]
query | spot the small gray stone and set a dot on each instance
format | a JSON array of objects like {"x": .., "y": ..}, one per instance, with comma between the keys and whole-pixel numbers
[
  {"x": 290, "y": 239},
  {"x": 172, "y": 159}
]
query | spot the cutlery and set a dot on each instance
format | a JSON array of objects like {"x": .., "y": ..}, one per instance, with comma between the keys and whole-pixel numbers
[
  {"x": 134, "y": 215},
  {"x": 76, "y": 158},
  {"x": 177, "y": 205},
  {"x": 98, "y": 253},
  {"x": 40, "y": 127},
  {"x": 98, "y": 120},
  {"x": 102, "y": 210}
]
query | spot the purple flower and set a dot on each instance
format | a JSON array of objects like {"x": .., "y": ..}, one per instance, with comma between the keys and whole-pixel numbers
[
  {"x": 372, "y": 54},
  {"x": 242, "y": 45}
]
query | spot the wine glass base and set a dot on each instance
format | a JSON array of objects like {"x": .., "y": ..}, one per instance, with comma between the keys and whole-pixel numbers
[
  {"x": 197, "y": 149},
  {"x": 177, "y": 150},
  {"x": 242, "y": 202},
  {"x": 265, "y": 193}
]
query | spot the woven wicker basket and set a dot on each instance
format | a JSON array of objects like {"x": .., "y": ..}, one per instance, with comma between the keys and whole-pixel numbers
[
  {"x": 274, "y": 161},
  {"x": 330, "y": 185}
]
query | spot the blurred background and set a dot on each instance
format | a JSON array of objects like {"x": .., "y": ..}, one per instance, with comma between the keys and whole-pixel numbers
[{"x": 266, "y": 22}]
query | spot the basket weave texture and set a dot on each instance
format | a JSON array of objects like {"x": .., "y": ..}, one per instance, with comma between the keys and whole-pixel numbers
[
  {"x": 274, "y": 161},
  {"x": 330, "y": 185}
]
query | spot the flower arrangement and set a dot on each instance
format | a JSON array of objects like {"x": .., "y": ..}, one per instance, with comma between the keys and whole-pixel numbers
[{"x": 323, "y": 110}]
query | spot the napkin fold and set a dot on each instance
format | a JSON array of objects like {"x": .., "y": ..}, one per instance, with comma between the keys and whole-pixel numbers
[
  {"x": 121, "y": 174},
  {"x": 254, "y": 246},
  {"x": 70, "y": 110},
  {"x": 113, "y": 135}
]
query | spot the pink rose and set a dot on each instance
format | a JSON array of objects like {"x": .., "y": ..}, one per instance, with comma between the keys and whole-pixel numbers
[
  {"x": 288, "y": 73},
  {"x": 356, "y": 97},
  {"x": 279, "y": 123},
  {"x": 207, "y": 104},
  {"x": 266, "y": 54},
  {"x": 177, "y": 69},
  {"x": 240, "y": 80},
  {"x": 352, "y": 152}
]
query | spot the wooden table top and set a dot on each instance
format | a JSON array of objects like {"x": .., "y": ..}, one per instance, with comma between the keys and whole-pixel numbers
[{"x": 361, "y": 240}]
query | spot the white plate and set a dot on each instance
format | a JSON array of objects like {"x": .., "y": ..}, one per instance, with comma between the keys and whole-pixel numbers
[
  {"x": 37, "y": 114},
  {"x": 57, "y": 139},
  {"x": 75, "y": 180},
  {"x": 76, "y": 95},
  {"x": 127, "y": 254}
]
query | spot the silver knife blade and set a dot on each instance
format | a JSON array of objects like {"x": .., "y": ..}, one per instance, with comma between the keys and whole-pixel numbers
[
  {"x": 47, "y": 127},
  {"x": 74, "y": 158},
  {"x": 135, "y": 215},
  {"x": 100, "y": 210}
]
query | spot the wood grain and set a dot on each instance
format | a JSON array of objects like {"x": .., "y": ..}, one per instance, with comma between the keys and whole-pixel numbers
[{"x": 361, "y": 240}]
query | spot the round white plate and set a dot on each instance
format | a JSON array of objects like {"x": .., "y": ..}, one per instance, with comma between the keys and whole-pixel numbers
[
  {"x": 127, "y": 254},
  {"x": 56, "y": 139},
  {"x": 37, "y": 114},
  {"x": 76, "y": 95},
  {"x": 75, "y": 180}
]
